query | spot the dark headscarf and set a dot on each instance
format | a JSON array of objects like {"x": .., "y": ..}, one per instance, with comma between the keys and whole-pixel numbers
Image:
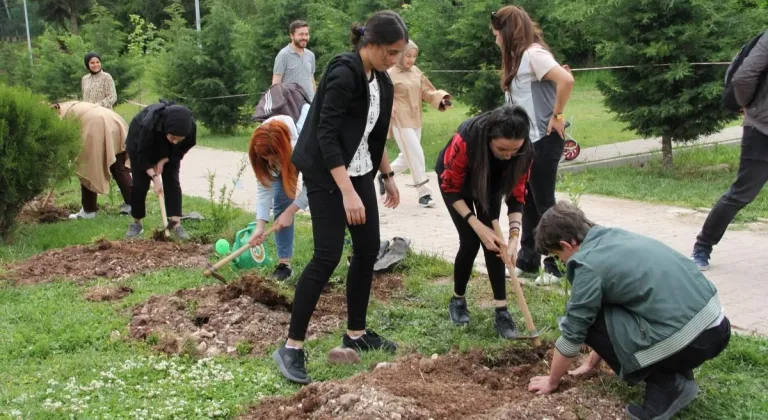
[
  {"x": 88, "y": 58},
  {"x": 178, "y": 121}
]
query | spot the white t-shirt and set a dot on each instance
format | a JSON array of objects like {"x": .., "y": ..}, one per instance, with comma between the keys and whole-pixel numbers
[
  {"x": 529, "y": 89},
  {"x": 362, "y": 163}
]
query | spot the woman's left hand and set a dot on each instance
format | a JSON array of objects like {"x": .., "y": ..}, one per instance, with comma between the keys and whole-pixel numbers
[
  {"x": 557, "y": 125},
  {"x": 392, "y": 198},
  {"x": 512, "y": 250},
  {"x": 283, "y": 221},
  {"x": 541, "y": 385}
]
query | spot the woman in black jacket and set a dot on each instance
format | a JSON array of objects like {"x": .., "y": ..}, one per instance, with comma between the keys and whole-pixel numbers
[
  {"x": 339, "y": 152},
  {"x": 487, "y": 160},
  {"x": 158, "y": 138}
]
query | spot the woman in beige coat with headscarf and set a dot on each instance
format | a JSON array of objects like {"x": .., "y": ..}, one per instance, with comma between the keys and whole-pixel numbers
[
  {"x": 411, "y": 88},
  {"x": 103, "y": 132}
]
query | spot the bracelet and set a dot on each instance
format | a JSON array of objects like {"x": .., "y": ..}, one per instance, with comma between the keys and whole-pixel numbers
[
  {"x": 388, "y": 175},
  {"x": 515, "y": 222},
  {"x": 470, "y": 214}
]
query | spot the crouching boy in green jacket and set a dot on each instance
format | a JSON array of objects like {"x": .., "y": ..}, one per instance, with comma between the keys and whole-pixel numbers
[{"x": 641, "y": 306}]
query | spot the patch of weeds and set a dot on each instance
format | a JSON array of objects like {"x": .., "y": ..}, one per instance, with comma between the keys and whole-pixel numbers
[
  {"x": 223, "y": 211},
  {"x": 153, "y": 339},
  {"x": 244, "y": 348},
  {"x": 192, "y": 306},
  {"x": 189, "y": 347}
]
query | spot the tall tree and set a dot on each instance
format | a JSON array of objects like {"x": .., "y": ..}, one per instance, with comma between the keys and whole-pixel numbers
[
  {"x": 666, "y": 95},
  {"x": 65, "y": 12}
]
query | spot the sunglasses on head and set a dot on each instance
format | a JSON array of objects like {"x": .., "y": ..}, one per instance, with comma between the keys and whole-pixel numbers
[{"x": 495, "y": 20}]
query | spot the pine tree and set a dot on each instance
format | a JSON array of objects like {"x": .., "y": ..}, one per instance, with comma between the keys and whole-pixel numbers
[{"x": 666, "y": 95}]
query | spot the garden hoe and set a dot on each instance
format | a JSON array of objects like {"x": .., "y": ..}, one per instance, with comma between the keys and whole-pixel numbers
[
  {"x": 519, "y": 292},
  {"x": 211, "y": 270}
]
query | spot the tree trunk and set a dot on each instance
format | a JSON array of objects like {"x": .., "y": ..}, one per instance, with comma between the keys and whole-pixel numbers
[
  {"x": 73, "y": 19},
  {"x": 7, "y": 9},
  {"x": 666, "y": 152}
]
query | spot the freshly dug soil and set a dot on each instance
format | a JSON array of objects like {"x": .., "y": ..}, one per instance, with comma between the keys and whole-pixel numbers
[
  {"x": 107, "y": 293},
  {"x": 455, "y": 386},
  {"x": 34, "y": 212},
  {"x": 108, "y": 259},
  {"x": 242, "y": 317}
]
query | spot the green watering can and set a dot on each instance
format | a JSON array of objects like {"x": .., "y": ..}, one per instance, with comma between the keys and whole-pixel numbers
[{"x": 255, "y": 257}]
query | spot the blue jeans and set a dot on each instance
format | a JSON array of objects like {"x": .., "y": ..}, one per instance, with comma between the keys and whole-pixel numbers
[{"x": 283, "y": 238}]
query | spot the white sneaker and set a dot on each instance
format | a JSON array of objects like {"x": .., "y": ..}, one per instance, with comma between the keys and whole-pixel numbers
[
  {"x": 82, "y": 214},
  {"x": 546, "y": 279}
]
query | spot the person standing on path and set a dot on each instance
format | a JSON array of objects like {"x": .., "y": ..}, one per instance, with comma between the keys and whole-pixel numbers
[
  {"x": 158, "y": 138},
  {"x": 339, "y": 152},
  {"x": 103, "y": 132},
  {"x": 486, "y": 161},
  {"x": 295, "y": 63},
  {"x": 97, "y": 86},
  {"x": 411, "y": 88},
  {"x": 750, "y": 87},
  {"x": 270, "y": 151},
  {"x": 532, "y": 79},
  {"x": 640, "y": 305}
]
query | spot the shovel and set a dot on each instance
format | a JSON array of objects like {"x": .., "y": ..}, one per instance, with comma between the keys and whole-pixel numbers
[{"x": 518, "y": 291}]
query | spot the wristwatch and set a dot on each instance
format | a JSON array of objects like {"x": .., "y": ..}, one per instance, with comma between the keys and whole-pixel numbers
[{"x": 559, "y": 117}]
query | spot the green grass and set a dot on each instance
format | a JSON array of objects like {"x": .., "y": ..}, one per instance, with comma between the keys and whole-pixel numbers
[
  {"x": 695, "y": 182},
  {"x": 59, "y": 356}
]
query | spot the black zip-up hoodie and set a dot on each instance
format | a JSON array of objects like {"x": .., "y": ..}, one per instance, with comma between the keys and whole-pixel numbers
[
  {"x": 147, "y": 143},
  {"x": 337, "y": 119}
]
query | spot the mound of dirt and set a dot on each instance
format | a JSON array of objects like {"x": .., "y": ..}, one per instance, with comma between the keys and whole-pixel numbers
[
  {"x": 112, "y": 260},
  {"x": 34, "y": 212},
  {"x": 107, "y": 293},
  {"x": 245, "y": 316},
  {"x": 458, "y": 386}
]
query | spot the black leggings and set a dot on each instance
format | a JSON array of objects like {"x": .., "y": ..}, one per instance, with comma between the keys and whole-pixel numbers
[
  {"x": 171, "y": 190},
  {"x": 539, "y": 197},
  {"x": 329, "y": 221},
  {"x": 469, "y": 245}
]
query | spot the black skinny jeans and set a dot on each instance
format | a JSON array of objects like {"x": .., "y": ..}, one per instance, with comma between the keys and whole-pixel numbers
[
  {"x": 752, "y": 175},
  {"x": 706, "y": 346},
  {"x": 171, "y": 190},
  {"x": 122, "y": 176},
  {"x": 469, "y": 245},
  {"x": 329, "y": 222},
  {"x": 539, "y": 197}
]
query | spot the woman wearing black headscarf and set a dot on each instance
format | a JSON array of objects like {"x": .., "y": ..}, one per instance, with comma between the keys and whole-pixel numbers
[
  {"x": 98, "y": 86},
  {"x": 158, "y": 138}
]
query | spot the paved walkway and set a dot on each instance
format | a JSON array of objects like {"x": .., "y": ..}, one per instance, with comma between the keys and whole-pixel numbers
[
  {"x": 740, "y": 269},
  {"x": 643, "y": 146}
]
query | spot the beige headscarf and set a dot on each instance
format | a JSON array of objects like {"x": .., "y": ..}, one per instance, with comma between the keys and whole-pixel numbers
[{"x": 411, "y": 46}]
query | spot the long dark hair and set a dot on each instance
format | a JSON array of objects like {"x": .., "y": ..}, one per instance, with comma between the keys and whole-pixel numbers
[
  {"x": 510, "y": 122},
  {"x": 518, "y": 32},
  {"x": 383, "y": 28}
]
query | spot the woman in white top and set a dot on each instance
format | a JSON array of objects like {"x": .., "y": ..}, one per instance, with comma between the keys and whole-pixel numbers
[
  {"x": 270, "y": 151},
  {"x": 532, "y": 79}
]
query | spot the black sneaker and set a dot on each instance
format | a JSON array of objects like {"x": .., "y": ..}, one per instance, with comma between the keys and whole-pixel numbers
[
  {"x": 504, "y": 325},
  {"x": 382, "y": 190},
  {"x": 369, "y": 341},
  {"x": 292, "y": 364},
  {"x": 701, "y": 259},
  {"x": 427, "y": 201},
  {"x": 282, "y": 272},
  {"x": 662, "y": 402},
  {"x": 458, "y": 311}
]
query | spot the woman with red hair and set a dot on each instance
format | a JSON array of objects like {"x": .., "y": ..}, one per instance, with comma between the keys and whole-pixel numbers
[{"x": 270, "y": 152}]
